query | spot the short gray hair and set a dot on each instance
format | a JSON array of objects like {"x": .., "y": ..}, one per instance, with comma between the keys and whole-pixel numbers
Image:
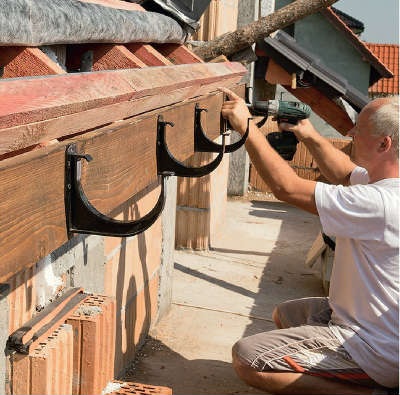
[{"x": 385, "y": 121}]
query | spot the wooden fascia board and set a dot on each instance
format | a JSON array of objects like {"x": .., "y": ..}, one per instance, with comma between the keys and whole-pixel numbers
[
  {"x": 327, "y": 109},
  {"x": 276, "y": 74},
  {"x": 32, "y": 214}
]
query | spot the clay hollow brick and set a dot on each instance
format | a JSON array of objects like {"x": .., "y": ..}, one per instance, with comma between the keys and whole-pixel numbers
[
  {"x": 47, "y": 369},
  {"x": 129, "y": 388}
]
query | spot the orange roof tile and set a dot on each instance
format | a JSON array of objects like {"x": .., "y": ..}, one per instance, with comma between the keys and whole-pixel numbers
[{"x": 389, "y": 55}]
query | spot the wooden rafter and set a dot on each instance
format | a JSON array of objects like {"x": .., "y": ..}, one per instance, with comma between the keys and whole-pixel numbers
[
  {"x": 327, "y": 109},
  {"x": 24, "y": 62},
  {"x": 177, "y": 54},
  {"x": 105, "y": 57}
]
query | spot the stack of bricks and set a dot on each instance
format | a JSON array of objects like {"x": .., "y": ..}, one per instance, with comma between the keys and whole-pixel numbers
[{"x": 77, "y": 358}]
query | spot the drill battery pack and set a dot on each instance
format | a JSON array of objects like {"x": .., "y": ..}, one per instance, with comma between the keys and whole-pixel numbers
[{"x": 285, "y": 143}]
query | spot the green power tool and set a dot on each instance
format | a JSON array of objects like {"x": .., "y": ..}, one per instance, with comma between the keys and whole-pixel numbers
[{"x": 285, "y": 142}]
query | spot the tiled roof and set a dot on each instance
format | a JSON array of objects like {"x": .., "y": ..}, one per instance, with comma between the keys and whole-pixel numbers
[
  {"x": 389, "y": 55},
  {"x": 376, "y": 63}
]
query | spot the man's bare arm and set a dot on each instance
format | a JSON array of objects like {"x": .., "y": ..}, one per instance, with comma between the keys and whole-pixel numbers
[
  {"x": 334, "y": 164},
  {"x": 285, "y": 184}
]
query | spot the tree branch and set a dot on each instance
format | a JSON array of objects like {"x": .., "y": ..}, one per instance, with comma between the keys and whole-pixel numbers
[{"x": 230, "y": 43}]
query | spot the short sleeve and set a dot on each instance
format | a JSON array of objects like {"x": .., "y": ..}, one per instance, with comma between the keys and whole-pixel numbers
[
  {"x": 359, "y": 176},
  {"x": 355, "y": 212}
]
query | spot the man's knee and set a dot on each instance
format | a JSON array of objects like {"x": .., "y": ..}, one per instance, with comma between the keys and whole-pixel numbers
[
  {"x": 241, "y": 367},
  {"x": 267, "y": 380}
]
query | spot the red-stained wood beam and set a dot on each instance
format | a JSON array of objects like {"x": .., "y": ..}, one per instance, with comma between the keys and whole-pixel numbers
[
  {"x": 37, "y": 99},
  {"x": 148, "y": 55},
  {"x": 177, "y": 53},
  {"x": 27, "y": 62},
  {"x": 105, "y": 57},
  {"x": 20, "y": 137}
]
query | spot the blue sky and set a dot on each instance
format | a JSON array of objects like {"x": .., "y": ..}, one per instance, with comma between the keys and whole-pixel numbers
[{"x": 380, "y": 18}]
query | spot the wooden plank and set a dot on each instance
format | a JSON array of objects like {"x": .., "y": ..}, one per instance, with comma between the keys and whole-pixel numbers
[
  {"x": 22, "y": 136},
  {"x": 303, "y": 164},
  {"x": 105, "y": 57},
  {"x": 32, "y": 217},
  {"x": 321, "y": 105},
  {"x": 24, "y": 62},
  {"x": 122, "y": 5},
  {"x": 177, "y": 53},
  {"x": 33, "y": 100}
]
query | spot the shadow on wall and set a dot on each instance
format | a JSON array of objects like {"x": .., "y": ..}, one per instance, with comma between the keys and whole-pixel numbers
[{"x": 134, "y": 306}]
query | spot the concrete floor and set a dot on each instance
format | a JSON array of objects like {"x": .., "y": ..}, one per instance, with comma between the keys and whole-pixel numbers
[{"x": 219, "y": 296}]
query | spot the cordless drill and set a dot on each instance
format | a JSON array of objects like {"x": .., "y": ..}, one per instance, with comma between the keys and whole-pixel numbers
[{"x": 285, "y": 142}]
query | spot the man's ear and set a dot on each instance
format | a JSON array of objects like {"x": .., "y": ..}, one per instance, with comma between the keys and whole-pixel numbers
[{"x": 386, "y": 144}]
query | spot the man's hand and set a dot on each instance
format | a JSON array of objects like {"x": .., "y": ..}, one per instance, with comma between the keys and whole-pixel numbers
[
  {"x": 303, "y": 130},
  {"x": 235, "y": 111}
]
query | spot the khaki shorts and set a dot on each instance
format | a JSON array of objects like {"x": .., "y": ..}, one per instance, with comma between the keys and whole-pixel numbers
[{"x": 305, "y": 345}]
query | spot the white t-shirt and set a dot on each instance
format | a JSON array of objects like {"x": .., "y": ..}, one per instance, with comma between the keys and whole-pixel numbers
[{"x": 364, "y": 288}]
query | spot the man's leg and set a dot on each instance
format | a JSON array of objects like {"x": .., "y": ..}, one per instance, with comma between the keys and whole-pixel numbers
[
  {"x": 300, "y": 360},
  {"x": 294, "y": 383}
]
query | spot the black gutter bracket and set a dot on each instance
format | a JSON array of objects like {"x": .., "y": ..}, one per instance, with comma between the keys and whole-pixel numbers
[
  {"x": 83, "y": 217},
  {"x": 203, "y": 144},
  {"x": 166, "y": 163}
]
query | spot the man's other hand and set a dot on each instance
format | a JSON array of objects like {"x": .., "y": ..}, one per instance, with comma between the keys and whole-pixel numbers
[{"x": 303, "y": 130}]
